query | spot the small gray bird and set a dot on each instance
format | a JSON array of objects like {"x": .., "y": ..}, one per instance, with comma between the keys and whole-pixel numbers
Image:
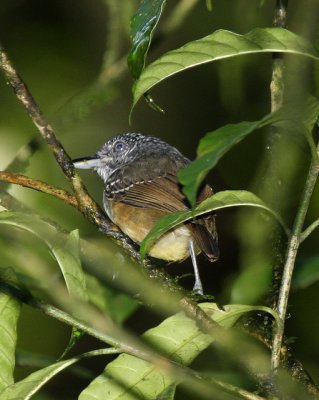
[{"x": 141, "y": 186}]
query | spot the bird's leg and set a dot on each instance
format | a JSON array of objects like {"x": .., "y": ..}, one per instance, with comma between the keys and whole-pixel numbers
[{"x": 198, "y": 287}]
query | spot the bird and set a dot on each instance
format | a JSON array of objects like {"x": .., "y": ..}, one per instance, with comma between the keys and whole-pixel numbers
[{"x": 141, "y": 186}]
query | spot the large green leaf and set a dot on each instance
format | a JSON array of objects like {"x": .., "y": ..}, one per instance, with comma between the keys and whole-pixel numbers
[
  {"x": 220, "y": 45},
  {"x": 212, "y": 147},
  {"x": 215, "y": 144},
  {"x": 306, "y": 273},
  {"x": 243, "y": 292},
  {"x": 67, "y": 255},
  {"x": 64, "y": 248},
  {"x": 220, "y": 200},
  {"x": 143, "y": 23},
  {"x": 26, "y": 388},
  {"x": 179, "y": 338},
  {"x": 9, "y": 314},
  {"x": 116, "y": 304}
]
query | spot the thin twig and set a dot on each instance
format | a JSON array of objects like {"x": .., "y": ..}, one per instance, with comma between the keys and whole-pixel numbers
[
  {"x": 238, "y": 392},
  {"x": 177, "y": 16},
  {"x": 276, "y": 86},
  {"x": 40, "y": 186},
  {"x": 102, "y": 91},
  {"x": 273, "y": 142},
  {"x": 86, "y": 203},
  {"x": 309, "y": 230},
  {"x": 113, "y": 39},
  {"x": 293, "y": 245}
]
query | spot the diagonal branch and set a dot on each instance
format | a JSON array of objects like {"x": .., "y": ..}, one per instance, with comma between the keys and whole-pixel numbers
[
  {"x": 309, "y": 230},
  {"x": 292, "y": 250},
  {"x": 40, "y": 186},
  {"x": 86, "y": 203}
]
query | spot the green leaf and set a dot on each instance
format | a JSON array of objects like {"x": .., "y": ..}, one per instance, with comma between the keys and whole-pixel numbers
[
  {"x": 242, "y": 291},
  {"x": 143, "y": 23},
  {"x": 26, "y": 388},
  {"x": 41, "y": 229},
  {"x": 64, "y": 248},
  {"x": 306, "y": 273},
  {"x": 76, "y": 335},
  {"x": 211, "y": 148},
  {"x": 306, "y": 114},
  {"x": 220, "y": 45},
  {"x": 179, "y": 338},
  {"x": 220, "y": 200},
  {"x": 67, "y": 255},
  {"x": 117, "y": 305},
  {"x": 9, "y": 314},
  {"x": 215, "y": 144},
  {"x": 209, "y": 5}
]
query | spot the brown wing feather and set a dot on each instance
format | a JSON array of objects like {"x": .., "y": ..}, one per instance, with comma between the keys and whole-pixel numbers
[
  {"x": 164, "y": 194},
  {"x": 204, "y": 229},
  {"x": 161, "y": 194}
]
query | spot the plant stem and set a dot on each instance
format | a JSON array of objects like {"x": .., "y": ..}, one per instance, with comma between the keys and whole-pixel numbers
[
  {"x": 238, "y": 392},
  {"x": 40, "y": 186},
  {"x": 272, "y": 184},
  {"x": 86, "y": 204},
  {"x": 276, "y": 86},
  {"x": 292, "y": 249},
  {"x": 280, "y": 17},
  {"x": 309, "y": 230}
]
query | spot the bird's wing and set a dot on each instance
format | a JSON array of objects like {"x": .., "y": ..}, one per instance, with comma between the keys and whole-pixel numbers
[
  {"x": 164, "y": 194},
  {"x": 204, "y": 229},
  {"x": 147, "y": 183}
]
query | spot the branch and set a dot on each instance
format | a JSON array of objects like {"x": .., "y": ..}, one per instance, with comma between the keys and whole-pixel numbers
[
  {"x": 238, "y": 392},
  {"x": 293, "y": 245},
  {"x": 309, "y": 230},
  {"x": 283, "y": 278},
  {"x": 87, "y": 205},
  {"x": 277, "y": 86},
  {"x": 40, "y": 186}
]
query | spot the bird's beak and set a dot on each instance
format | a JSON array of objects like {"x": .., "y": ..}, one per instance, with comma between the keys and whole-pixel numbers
[{"x": 87, "y": 163}]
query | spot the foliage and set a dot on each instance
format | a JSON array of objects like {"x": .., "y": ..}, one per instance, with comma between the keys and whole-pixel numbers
[{"x": 55, "y": 263}]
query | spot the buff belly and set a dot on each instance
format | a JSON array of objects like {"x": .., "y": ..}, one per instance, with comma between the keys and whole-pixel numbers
[{"x": 136, "y": 223}]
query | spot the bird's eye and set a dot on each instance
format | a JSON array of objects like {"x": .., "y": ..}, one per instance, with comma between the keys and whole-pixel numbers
[{"x": 119, "y": 147}]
